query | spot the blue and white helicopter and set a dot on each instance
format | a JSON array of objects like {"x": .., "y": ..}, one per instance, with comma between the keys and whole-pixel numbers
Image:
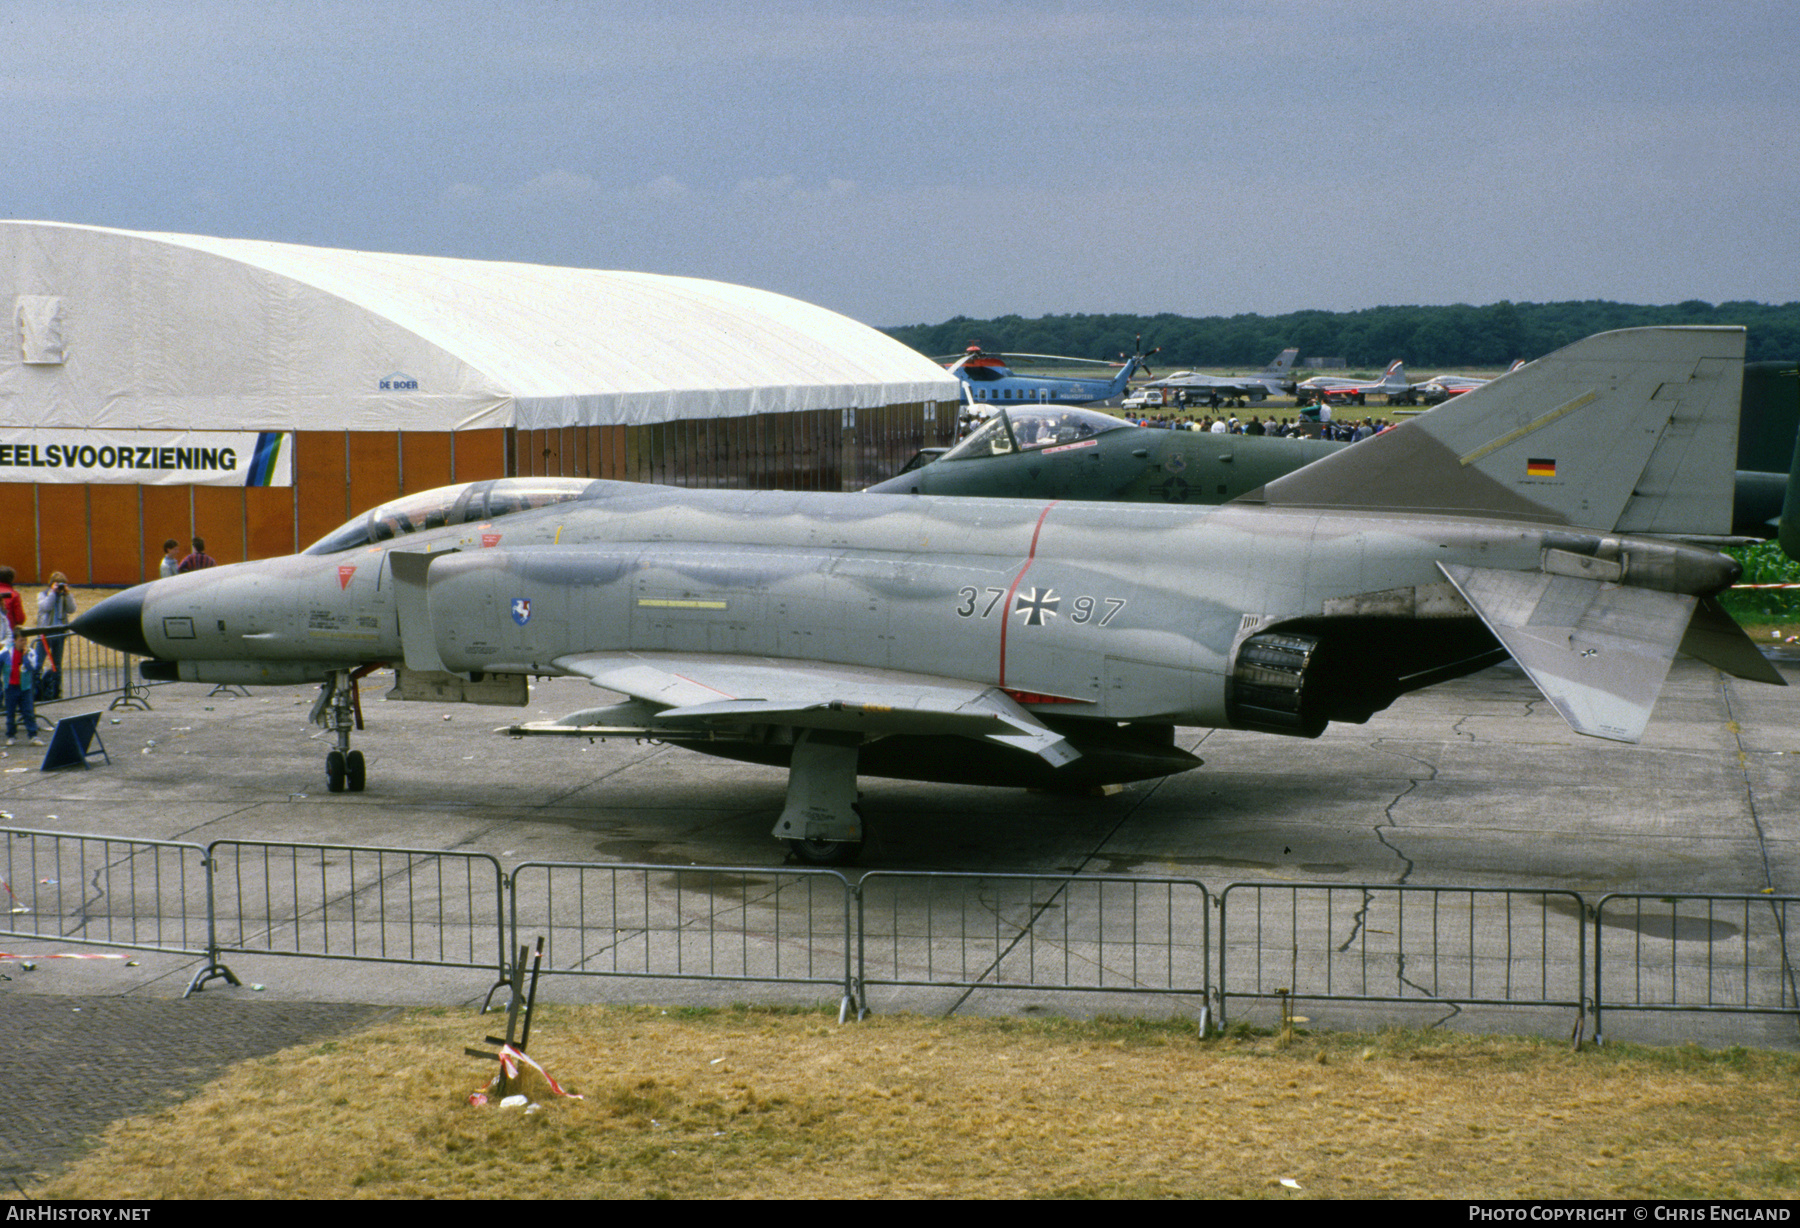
[{"x": 989, "y": 383}]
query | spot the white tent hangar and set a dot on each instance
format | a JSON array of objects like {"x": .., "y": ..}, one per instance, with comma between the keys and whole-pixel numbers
[{"x": 394, "y": 373}]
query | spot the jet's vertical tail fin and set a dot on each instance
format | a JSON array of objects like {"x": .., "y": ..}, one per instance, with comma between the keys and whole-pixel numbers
[
  {"x": 1282, "y": 363},
  {"x": 1395, "y": 376},
  {"x": 1634, "y": 430}
]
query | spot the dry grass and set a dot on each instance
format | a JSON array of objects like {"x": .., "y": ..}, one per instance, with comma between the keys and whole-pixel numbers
[{"x": 748, "y": 1103}]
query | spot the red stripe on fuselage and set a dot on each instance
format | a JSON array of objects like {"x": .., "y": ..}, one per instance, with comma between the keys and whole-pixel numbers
[{"x": 1006, "y": 614}]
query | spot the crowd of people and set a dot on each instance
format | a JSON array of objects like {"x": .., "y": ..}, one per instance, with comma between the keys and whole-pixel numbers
[
  {"x": 23, "y": 657},
  {"x": 31, "y": 664},
  {"x": 174, "y": 563},
  {"x": 1297, "y": 428}
]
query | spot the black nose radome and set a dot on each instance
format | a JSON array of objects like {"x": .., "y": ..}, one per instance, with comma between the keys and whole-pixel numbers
[{"x": 117, "y": 623}]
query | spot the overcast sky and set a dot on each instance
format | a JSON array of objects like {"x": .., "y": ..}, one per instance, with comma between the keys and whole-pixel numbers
[{"x": 908, "y": 162}]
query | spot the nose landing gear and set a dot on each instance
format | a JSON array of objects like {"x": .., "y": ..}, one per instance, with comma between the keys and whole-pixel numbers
[
  {"x": 345, "y": 770},
  {"x": 339, "y": 709}
]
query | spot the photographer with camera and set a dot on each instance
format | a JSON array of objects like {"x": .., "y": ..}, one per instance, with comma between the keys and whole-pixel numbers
[{"x": 55, "y": 609}]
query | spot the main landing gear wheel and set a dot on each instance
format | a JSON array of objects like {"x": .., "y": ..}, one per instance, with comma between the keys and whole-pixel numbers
[
  {"x": 821, "y": 822},
  {"x": 826, "y": 852}
]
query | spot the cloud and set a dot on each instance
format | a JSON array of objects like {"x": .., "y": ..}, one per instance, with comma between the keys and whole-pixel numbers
[
  {"x": 664, "y": 188},
  {"x": 787, "y": 189},
  {"x": 915, "y": 160},
  {"x": 556, "y": 185}
]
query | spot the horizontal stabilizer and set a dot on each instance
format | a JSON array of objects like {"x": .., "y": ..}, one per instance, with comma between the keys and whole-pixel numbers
[
  {"x": 1715, "y": 638},
  {"x": 1598, "y": 651}
]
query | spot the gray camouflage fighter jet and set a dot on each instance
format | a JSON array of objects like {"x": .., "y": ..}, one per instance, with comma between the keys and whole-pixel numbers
[
  {"x": 1011, "y": 642},
  {"x": 1055, "y": 452},
  {"x": 1194, "y": 388}
]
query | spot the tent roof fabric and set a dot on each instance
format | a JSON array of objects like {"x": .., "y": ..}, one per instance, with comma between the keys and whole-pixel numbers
[{"x": 165, "y": 330}]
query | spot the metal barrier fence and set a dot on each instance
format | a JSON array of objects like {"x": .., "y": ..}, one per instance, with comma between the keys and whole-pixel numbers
[
  {"x": 1374, "y": 943},
  {"x": 1690, "y": 952},
  {"x": 339, "y": 901},
  {"x": 706, "y": 923},
  {"x": 1462, "y": 946},
  {"x": 89, "y": 669},
  {"x": 1023, "y": 931},
  {"x": 144, "y": 894}
]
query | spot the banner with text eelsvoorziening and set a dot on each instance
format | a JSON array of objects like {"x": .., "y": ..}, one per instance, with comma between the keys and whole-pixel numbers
[{"x": 148, "y": 458}]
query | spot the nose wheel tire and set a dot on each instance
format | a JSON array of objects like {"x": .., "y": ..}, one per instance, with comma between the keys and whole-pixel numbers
[{"x": 345, "y": 772}]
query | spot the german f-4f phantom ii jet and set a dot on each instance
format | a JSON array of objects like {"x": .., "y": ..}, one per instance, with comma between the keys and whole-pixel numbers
[{"x": 1015, "y": 642}]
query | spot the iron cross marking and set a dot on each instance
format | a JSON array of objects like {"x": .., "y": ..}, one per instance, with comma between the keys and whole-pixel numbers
[{"x": 1037, "y": 606}]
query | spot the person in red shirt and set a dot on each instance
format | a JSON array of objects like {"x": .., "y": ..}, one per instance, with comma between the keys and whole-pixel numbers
[
  {"x": 16, "y": 698},
  {"x": 198, "y": 559},
  {"x": 10, "y": 601}
]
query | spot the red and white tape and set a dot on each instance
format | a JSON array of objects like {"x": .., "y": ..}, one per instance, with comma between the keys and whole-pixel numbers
[{"x": 509, "y": 1069}]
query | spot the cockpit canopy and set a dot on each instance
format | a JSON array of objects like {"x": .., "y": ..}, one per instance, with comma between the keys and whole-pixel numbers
[
  {"x": 448, "y": 505},
  {"x": 1027, "y": 428}
]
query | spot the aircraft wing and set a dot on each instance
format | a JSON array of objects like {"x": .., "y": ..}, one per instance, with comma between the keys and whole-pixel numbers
[{"x": 697, "y": 693}]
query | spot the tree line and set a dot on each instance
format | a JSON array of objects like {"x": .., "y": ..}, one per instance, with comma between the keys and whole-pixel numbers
[{"x": 1459, "y": 335}]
